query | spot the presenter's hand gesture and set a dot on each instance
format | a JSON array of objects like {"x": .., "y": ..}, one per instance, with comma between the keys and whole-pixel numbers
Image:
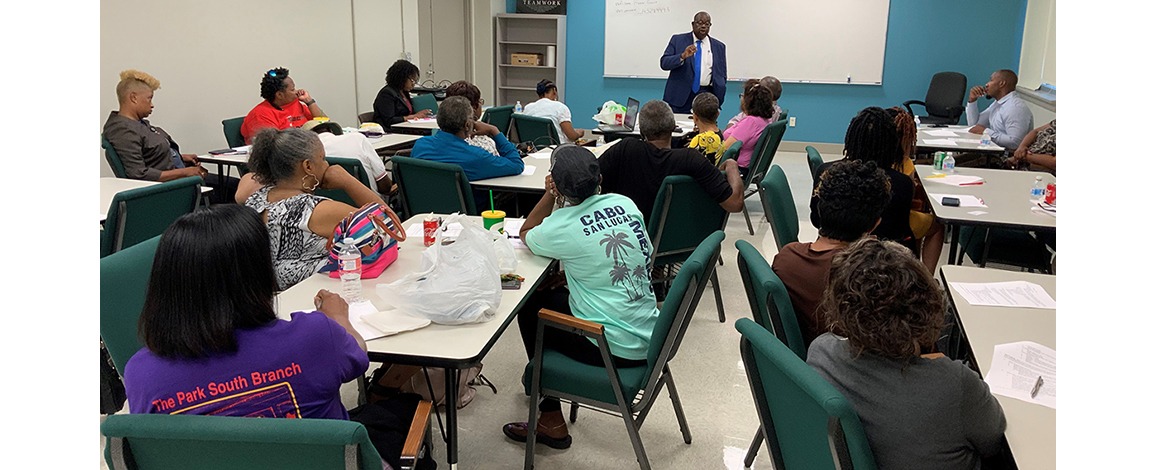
[
  {"x": 976, "y": 92},
  {"x": 690, "y": 50}
]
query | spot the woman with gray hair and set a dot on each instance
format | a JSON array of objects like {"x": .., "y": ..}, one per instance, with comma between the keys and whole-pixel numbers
[
  {"x": 287, "y": 167},
  {"x": 457, "y": 122}
]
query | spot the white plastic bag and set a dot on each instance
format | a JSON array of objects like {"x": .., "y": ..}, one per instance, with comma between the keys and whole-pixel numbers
[
  {"x": 610, "y": 109},
  {"x": 457, "y": 283},
  {"x": 504, "y": 251}
]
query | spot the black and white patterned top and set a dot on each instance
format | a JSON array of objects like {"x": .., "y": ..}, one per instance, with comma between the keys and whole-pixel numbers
[{"x": 297, "y": 251}]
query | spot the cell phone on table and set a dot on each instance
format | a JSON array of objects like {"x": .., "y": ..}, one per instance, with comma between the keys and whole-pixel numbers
[
  {"x": 221, "y": 151},
  {"x": 951, "y": 201}
]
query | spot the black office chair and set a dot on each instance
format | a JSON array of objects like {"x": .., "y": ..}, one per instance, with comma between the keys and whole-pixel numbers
[{"x": 944, "y": 102}]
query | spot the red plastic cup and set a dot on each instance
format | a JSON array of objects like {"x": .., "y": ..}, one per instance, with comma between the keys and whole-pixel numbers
[{"x": 1050, "y": 194}]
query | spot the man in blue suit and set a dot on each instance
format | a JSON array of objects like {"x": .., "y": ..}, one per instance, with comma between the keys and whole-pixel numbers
[{"x": 697, "y": 64}]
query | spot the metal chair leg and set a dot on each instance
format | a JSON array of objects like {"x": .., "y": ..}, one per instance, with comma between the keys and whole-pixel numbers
[
  {"x": 753, "y": 450},
  {"x": 747, "y": 216},
  {"x": 573, "y": 412},
  {"x": 682, "y": 425},
  {"x": 722, "y": 316}
]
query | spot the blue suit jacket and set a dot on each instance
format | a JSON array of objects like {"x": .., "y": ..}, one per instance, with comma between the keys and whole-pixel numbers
[{"x": 678, "y": 84}]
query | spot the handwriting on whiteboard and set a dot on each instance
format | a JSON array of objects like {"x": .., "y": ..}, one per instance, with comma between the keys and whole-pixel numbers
[{"x": 641, "y": 7}]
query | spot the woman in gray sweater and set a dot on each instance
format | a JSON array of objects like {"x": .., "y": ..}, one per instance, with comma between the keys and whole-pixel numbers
[{"x": 919, "y": 409}]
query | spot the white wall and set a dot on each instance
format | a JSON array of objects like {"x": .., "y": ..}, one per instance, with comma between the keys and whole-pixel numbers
[
  {"x": 1038, "y": 52},
  {"x": 209, "y": 56}
]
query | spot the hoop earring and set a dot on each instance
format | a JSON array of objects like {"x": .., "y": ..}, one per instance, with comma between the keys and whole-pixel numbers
[{"x": 305, "y": 186}]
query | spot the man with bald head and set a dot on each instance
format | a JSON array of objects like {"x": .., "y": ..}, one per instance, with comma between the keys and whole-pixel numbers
[
  {"x": 697, "y": 64},
  {"x": 776, "y": 88},
  {"x": 1008, "y": 119}
]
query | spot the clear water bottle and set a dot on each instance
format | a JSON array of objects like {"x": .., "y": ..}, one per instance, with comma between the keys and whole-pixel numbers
[
  {"x": 1038, "y": 188},
  {"x": 349, "y": 260},
  {"x": 949, "y": 164},
  {"x": 517, "y": 107},
  {"x": 985, "y": 138}
]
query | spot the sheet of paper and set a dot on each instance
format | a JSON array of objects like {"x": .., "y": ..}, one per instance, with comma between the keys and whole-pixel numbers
[
  {"x": 1015, "y": 369},
  {"x": 529, "y": 170},
  {"x": 939, "y": 133},
  {"x": 429, "y": 119},
  {"x": 513, "y": 229},
  {"x": 1049, "y": 210},
  {"x": 954, "y": 180},
  {"x": 950, "y": 142},
  {"x": 1005, "y": 294},
  {"x": 356, "y": 311},
  {"x": 965, "y": 200},
  {"x": 543, "y": 154},
  {"x": 686, "y": 126},
  {"x": 392, "y": 322}
]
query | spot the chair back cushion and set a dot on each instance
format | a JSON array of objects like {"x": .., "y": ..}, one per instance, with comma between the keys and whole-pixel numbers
[
  {"x": 732, "y": 152},
  {"x": 176, "y": 442},
  {"x": 425, "y": 101},
  {"x": 428, "y": 186},
  {"x": 947, "y": 90},
  {"x": 682, "y": 217},
  {"x": 779, "y": 206},
  {"x": 765, "y": 149},
  {"x": 364, "y": 117},
  {"x": 538, "y": 130},
  {"x": 681, "y": 302},
  {"x": 771, "y": 305},
  {"x": 798, "y": 409},
  {"x": 499, "y": 116},
  {"x": 141, "y": 213},
  {"x": 232, "y": 128},
  {"x": 124, "y": 279},
  {"x": 112, "y": 157},
  {"x": 814, "y": 160}
]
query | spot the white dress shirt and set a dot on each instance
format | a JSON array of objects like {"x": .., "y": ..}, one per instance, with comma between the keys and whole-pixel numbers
[
  {"x": 1009, "y": 119},
  {"x": 707, "y": 62}
]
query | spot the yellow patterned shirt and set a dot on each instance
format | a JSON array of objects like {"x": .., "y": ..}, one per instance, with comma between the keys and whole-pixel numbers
[{"x": 708, "y": 143}]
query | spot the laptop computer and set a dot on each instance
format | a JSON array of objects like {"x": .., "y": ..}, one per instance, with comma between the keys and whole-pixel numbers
[{"x": 628, "y": 120}]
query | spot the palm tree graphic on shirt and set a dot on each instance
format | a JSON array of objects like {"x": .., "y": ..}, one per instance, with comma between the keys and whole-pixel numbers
[{"x": 617, "y": 245}]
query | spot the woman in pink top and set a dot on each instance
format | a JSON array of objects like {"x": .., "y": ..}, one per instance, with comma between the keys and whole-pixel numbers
[{"x": 758, "y": 103}]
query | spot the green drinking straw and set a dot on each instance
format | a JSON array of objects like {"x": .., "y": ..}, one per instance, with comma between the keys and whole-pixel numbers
[{"x": 491, "y": 200}]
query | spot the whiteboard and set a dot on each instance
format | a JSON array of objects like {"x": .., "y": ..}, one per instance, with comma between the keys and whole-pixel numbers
[{"x": 820, "y": 41}]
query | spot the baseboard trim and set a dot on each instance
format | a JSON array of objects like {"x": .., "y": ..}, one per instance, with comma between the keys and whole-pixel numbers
[{"x": 829, "y": 151}]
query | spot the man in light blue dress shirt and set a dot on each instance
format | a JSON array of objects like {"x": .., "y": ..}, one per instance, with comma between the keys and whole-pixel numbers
[{"x": 1008, "y": 119}]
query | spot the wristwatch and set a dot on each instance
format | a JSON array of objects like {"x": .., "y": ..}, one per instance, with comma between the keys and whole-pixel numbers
[{"x": 310, "y": 102}]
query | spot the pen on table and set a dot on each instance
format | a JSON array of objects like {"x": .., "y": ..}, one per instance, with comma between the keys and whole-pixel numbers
[{"x": 1036, "y": 388}]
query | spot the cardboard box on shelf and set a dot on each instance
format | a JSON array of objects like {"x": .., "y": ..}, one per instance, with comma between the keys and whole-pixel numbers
[{"x": 520, "y": 58}]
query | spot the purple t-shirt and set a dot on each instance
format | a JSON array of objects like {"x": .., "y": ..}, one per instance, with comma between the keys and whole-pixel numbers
[
  {"x": 290, "y": 369},
  {"x": 748, "y": 131}
]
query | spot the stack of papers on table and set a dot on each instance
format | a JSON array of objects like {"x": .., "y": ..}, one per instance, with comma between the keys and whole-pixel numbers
[
  {"x": 956, "y": 180},
  {"x": 1018, "y": 368},
  {"x": 371, "y": 323},
  {"x": 1005, "y": 294}
]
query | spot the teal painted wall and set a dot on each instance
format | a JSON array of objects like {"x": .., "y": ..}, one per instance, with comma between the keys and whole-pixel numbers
[{"x": 974, "y": 37}]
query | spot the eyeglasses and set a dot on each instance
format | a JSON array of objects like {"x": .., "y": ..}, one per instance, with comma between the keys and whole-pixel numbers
[{"x": 702, "y": 23}]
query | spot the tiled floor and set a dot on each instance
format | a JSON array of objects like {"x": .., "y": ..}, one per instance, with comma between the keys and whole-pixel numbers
[{"x": 708, "y": 371}]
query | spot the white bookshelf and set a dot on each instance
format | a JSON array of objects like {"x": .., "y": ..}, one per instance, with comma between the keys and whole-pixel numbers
[{"x": 528, "y": 34}]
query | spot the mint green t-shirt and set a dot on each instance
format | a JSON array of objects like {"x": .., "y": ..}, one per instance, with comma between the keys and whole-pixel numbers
[{"x": 605, "y": 251}]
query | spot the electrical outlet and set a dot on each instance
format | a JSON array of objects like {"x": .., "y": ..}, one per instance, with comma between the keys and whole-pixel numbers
[{"x": 791, "y": 122}]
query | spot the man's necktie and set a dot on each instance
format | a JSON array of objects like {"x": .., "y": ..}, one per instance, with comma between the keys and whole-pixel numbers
[{"x": 697, "y": 66}]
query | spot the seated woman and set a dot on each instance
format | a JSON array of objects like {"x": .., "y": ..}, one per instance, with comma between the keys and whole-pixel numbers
[
  {"x": 919, "y": 409},
  {"x": 1038, "y": 150},
  {"x": 626, "y": 309},
  {"x": 227, "y": 354},
  {"x": 471, "y": 92},
  {"x": 392, "y": 105},
  {"x": 287, "y": 166},
  {"x": 283, "y": 106},
  {"x": 927, "y": 230},
  {"x": 457, "y": 123},
  {"x": 759, "y": 105},
  {"x": 871, "y": 136}
]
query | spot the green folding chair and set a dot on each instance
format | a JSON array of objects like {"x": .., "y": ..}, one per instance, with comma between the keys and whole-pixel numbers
[
  {"x": 807, "y": 422},
  {"x": 426, "y": 186},
  {"x": 627, "y": 392},
  {"x": 499, "y": 116},
  {"x": 124, "y": 280},
  {"x": 113, "y": 158},
  {"x": 425, "y": 101},
  {"x": 136, "y": 215},
  {"x": 784, "y": 114},
  {"x": 355, "y": 168},
  {"x": 536, "y": 130},
  {"x": 771, "y": 308},
  {"x": 779, "y": 205},
  {"x": 682, "y": 217},
  {"x": 764, "y": 153},
  {"x": 179, "y": 442},
  {"x": 731, "y": 153},
  {"x": 814, "y": 161},
  {"x": 232, "y": 127}
]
